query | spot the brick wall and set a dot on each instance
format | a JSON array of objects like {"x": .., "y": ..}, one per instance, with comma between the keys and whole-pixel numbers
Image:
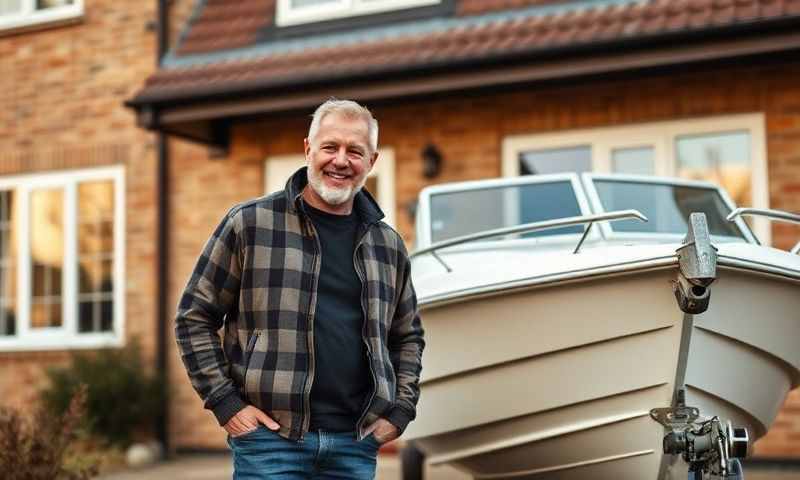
[
  {"x": 469, "y": 131},
  {"x": 61, "y": 94}
]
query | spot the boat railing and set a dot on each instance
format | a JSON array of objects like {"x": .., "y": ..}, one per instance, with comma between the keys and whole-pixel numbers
[
  {"x": 531, "y": 227},
  {"x": 779, "y": 215}
]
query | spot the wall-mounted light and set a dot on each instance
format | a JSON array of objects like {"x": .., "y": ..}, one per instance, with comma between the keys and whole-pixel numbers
[{"x": 431, "y": 161}]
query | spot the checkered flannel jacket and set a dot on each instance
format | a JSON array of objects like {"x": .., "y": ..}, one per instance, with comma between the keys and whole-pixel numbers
[{"x": 257, "y": 277}]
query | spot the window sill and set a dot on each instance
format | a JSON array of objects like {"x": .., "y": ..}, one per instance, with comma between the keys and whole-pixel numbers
[
  {"x": 61, "y": 342},
  {"x": 26, "y": 25}
]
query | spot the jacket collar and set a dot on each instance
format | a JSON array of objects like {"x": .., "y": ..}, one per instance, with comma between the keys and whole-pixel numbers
[{"x": 363, "y": 203}]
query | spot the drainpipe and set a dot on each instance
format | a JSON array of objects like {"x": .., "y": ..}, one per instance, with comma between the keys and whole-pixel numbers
[{"x": 162, "y": 175}]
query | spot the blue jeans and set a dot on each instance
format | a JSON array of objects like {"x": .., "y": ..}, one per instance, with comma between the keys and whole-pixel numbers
[{"x": 263, "y": 454}]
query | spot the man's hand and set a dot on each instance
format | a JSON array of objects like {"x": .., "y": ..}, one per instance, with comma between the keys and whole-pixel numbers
[
  {"x": 247, "y": 420},
  {"x": 383, "y": 430}
]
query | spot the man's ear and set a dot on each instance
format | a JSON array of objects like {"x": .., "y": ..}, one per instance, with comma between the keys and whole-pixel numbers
[
  {"x": 373, "y": 159},
  {"x": 306, "y": 146}
]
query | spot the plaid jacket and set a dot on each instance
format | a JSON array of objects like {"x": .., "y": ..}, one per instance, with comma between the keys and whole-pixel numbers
[{"x": 257, "y": 276}]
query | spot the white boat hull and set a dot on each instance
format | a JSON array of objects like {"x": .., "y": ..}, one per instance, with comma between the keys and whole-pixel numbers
[{"x": 557, "y": 381}]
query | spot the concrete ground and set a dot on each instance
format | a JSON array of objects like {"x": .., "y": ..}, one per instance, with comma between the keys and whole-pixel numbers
[{"x": 218, "y": 466}]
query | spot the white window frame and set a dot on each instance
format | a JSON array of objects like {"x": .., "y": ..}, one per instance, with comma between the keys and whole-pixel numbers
[
  {"x": 286, "y": 15},
  {"x": 277, "y": 170},
  {"x": 29, "y": 16},
  {"x": 66, "y": 336},
  {"x": 661, "y": 136}
]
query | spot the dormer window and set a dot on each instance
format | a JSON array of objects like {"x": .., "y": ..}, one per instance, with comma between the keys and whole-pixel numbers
[
  {"x": 295, "y": 12},
  {"x": 24, "y": 13}
]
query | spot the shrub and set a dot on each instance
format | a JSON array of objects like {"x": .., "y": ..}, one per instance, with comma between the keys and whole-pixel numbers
[
  {"x": 35, "y": 449},
  {"x": 122, "y": 398}
]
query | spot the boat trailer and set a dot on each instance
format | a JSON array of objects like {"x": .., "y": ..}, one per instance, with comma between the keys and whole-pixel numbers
[{"x": 707, "y": 446}]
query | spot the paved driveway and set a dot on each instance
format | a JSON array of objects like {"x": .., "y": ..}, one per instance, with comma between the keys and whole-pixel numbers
[{"x": 218, "y": 466}]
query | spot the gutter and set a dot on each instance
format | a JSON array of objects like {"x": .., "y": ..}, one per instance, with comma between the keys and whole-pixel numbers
[{"x": 162, "y": 188}]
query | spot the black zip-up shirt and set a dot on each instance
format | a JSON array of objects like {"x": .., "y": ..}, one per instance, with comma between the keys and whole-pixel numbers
[{"x": 341, "y": 375}]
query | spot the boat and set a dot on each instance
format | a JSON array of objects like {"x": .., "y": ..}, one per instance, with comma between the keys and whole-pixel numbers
[{"x": 599, "y": 326}]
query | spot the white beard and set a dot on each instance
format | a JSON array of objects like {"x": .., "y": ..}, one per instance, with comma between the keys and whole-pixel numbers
[{"x": 332, "y": 196}]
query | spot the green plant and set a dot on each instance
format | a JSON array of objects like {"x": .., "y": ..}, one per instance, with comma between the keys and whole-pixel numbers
[
  {"x": 122, "y": 398},
  {"x": 36, "y": 449}
]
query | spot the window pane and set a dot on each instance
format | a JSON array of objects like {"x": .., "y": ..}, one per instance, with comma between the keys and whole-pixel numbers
[
  {"x": 106, "y": 315},
  {"x": 88, "y": 272},
  {"x": 45, "y": 4},
  {"x": 667, "y": 207},
  {"x": 454, "y": 214},
  {"x": 106, "y": 276},
  {"x": 95, "y": 254},
  {"x": 557, "y": 160},
  {"x": 8, "y": 270},
  {"x": 47, "y": 256},
  {"x": 722, "y": 158},
  {"x": 9, "y": 7},
  {"x": 85, "y": 316},
  {"x": 633, "y": 161},
  {"x": 96, "y": 217}
]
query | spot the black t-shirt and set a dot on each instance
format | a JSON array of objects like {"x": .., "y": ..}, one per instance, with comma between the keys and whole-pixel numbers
[{"x": 342, "y": 378}]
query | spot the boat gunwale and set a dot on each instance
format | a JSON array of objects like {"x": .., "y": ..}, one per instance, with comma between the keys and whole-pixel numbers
[{"x": 724, "y": 262}]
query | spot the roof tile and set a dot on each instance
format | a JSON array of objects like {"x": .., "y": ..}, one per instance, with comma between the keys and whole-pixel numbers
[
  {"x": 225, "y": 25},
  {"x": 772, "y": 8},
  {"x": 466, "y": 42}
]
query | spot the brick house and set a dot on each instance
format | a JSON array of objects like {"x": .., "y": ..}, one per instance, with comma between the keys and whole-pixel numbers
[
  {"x": 497, "y": 88},
  {"x": 78, "y": 210}
]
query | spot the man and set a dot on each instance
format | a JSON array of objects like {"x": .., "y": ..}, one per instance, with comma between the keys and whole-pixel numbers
[{"x": 320, "y": 358}]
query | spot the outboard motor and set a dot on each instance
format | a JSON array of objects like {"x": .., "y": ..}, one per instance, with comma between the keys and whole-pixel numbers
[{"x": 697, "y": 260}]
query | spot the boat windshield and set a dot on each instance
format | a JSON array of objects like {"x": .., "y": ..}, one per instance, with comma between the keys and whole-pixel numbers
[
  {"x": 463, "y": 212},
  {"x": 666, "y": 205}
]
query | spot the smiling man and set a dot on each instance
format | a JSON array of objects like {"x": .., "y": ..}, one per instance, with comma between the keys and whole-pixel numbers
[{"x": 321, "y": 355}]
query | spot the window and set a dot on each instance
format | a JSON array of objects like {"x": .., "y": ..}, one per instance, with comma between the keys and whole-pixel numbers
[
  {"x": 380, "y": 182},
  {"x": 61, "y": 260},
  {"x": 23, "y": 13},
  {"x": 729, "y": 151},
  {"x": 293, "y": 12}
]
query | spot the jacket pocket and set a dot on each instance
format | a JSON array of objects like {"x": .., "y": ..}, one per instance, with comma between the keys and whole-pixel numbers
[
  {"x": 254, "y": 366},
  {"x": 248, "y": 350}
]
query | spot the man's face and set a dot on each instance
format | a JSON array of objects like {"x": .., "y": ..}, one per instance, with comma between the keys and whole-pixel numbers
[{"x": 339, "y": 159}]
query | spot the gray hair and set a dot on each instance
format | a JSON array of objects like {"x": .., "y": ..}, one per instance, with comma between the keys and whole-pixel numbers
[{"x": 347, "y": 108}]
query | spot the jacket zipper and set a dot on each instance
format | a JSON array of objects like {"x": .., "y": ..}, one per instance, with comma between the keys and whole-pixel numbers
[
  {"x": 309, "y": 380},
  {"x": 359, "y": 424}
]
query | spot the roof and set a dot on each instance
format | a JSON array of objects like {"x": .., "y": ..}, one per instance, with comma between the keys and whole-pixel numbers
[
  {"x": 221, "y": 49},
  {"x": 231, "y": 52}
]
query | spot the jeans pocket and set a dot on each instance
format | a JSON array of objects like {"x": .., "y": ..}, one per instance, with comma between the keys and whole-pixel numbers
[{"x": 248, "y": 434}]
